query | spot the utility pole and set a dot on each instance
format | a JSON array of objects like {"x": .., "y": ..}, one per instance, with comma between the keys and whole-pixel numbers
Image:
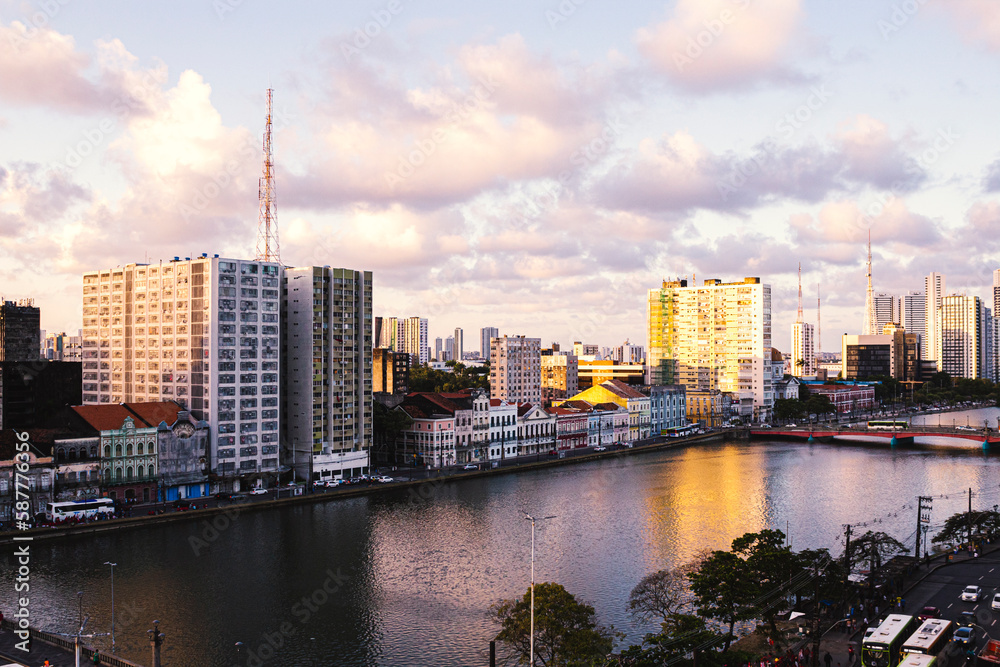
[
  {"x": 970, "y": 517},
  {"x": 847, "y": 553},
  {"x": 922, "y": 519}
]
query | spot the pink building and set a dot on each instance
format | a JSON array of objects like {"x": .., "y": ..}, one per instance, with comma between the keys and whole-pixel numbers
[{"x": 846, "y": 398}]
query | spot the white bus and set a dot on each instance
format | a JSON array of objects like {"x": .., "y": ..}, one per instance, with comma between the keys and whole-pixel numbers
[
  {"x": 929, "y": 638},
  {"x": 883, "y": 647},
  {"x": 79, "y": 509},
  {"x": 918, "y": 660}
]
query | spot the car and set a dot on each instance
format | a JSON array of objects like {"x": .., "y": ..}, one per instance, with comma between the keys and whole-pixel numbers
[
  {"x": 966, "y": 618},
  {"x": 331, "y": 483},
  {"x": 470, "y": 466},
  {"x": 384, "y": 479},
  {"x": 359, "y": 479},
  {"x": 964, "y": 635},
  {"x": 182, "y": 504},
  {"x": 258, "y": 492},
  {"x": 995, "y": 604},
  {"x": 972, "y": 594},
  {"x": 223, "y": 495},
  {"x": 600, "y": 448},
  {"x": 928, "y": 612},
  {"x": 792, "y": 425}
]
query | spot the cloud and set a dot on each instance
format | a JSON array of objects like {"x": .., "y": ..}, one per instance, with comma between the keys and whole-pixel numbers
[
  {"x": 843, "y": 222},
  {"x": 991, "y": 181},
  {"x": 977, "y": 20},
  {"x": 41, "y": 67},
  {"x": 873, "y": 157},
  {"x": 709, "y": 45}
]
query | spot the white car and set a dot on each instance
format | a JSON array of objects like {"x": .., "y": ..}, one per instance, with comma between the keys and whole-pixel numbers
[
  {"x": 972, "y": 594},
  {"x": 995, "y": 605},
  {"x": 384, "y": 479},
  {"x": 258, "y": 492},
  {"x": 600, "y": 448}
]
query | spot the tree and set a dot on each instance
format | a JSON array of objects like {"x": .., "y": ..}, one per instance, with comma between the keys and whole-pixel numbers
[
  {"x": 788, "y": 408},
  {"x": 723, "y": 590},
  {"x": 874, "y": 549},
  {"x": 566, "y": 634},
  {"x": 958, "y": 526},
  {"x": 684, "y": 634},
  {"x": 770, "y": 565},
  {"x": 820, "y": 404},
  {"x": 661, "y": 595}
]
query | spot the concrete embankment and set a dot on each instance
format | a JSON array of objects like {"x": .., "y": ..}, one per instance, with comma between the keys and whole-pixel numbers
[{"x": 230, "y": 509}]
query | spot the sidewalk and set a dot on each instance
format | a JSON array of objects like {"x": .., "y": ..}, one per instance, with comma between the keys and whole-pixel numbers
[{"x": 40, "y": 652}]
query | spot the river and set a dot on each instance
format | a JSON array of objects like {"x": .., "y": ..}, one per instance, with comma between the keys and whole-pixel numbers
[{"x": 406, "y": 577}]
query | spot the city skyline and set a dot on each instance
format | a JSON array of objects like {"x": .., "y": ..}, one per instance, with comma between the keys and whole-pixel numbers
[{"x": 534, "y": 168}]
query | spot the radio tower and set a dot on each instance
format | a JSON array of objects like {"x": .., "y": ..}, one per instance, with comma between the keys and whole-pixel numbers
[
  {"x": 869, "y": 328},
  {"x": 267, "y": 225}
]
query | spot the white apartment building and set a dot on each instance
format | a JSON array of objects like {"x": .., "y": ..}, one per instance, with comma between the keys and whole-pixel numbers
[
  {"x": 888, "y": 310},
  {"x": 934, "y": 286},
  {"x": 458, "y": 345},
  {"x": 326, "y": 391},
  {"x": 915, "y": 314},
  {"x": 502, "y": 442},
  {"x": 962, "y": 344},
  {"x": 713, "y": 337},
  {"x": 803, "y": 350},
  {"x": 204, "y": 332},
  {"x": 414, "y": 339},
  {"x": 516, "y": 369}
]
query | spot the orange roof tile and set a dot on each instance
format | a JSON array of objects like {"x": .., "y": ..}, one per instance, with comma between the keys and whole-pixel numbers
[
  {"x": 107, "y": 417},
  {"x": 155, "y": 412}
]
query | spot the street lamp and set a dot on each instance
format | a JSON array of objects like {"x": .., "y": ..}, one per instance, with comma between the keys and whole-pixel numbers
[
  {"x": 531, "y": 635},
  {"x": 112, "y": 603}
]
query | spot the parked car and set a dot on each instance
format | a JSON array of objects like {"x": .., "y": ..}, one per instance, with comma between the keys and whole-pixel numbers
[
  {"x": 928, "y": 612},
  {"x": 995, "y": 604},
  {"x": 470, "y": 466},
  {"x": 258, "y": 492},
  {"x": 384, "y": 479},
  {"x": 972, "y": 594},
  {"x": 600, "y": 448},
  {"x": 182, "y": 504},
  {"x": 223, "y": 495},
  {"x": 334, "y": 482}
]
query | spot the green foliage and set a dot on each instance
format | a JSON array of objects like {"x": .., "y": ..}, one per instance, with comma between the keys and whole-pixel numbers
[
  {"x": 425, "y": 378},
  {"x": 681, "y": 636},
  {"x": 788, "y": 408},
  {"x": 566, "y": 634},
  {"x": 958, "y": 526},
  {"x": 723, "y": 590},
  {"x": 819, "y": 404}
]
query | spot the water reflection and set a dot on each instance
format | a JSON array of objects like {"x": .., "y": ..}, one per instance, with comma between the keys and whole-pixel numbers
[{"x": 415, "y": 572}]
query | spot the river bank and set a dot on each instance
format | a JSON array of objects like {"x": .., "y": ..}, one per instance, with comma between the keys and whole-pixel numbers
[{"x": 416, "y": 487}]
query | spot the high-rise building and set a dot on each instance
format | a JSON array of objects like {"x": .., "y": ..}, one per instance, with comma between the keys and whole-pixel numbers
[
  {"x": 995, "y": 328},
  {"x": 887, "y": 311},
  {"x": 582, "y": 350},
  {"x": 486, "y": 334},
  {"x": 415, "y": 339},
  {"x": 449, "y": 349},
  {"x": 914, "y": 306},
  {"x": 803, "y": 350},
  {"x": 934, "y": 286},
  {"x": 438, "y": 349},
  {"x": 713, "y": 337},
  {"x": 390, "y": 371},
  {"x": 516, "y": 369},
  {"x": 20, "y": 330},
  {"x": 204, "y": 332},
  {"x": 458, "y": 348},
  {"x": 962, "y": 341},
  {"x": 326, "y": 389}
]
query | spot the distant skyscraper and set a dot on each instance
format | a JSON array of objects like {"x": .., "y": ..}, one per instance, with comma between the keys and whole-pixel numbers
[
  {"x": 20, "y": 331},
  {"x": 485, "y": 335},
  {"x": 803, "y": 350},
  {"x": 962, "y": 342},
  {"x": 449, "y": 348},
  {"x": 415, "y": 339},
  {"x": 934, "y": 286},
  {"x": 438, "y": 348},
  {"x": 995, "y": 328},
  {"x": 915, "y": 313},
  {"x": 459, "y": 346},
  {"x": 887, "y": 311}
]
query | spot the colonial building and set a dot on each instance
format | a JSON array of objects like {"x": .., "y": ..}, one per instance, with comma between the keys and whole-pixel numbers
[{"x": 628, "y": 397}]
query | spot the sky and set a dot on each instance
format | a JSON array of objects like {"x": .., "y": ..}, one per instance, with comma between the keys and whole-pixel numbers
[{"x": 536, "y": 166}]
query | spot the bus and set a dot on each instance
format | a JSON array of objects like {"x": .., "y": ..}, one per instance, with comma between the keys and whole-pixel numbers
[
  {"x": 929, "y": 638},
  {"x": 887, "y": 425},
  {"x": 75, "y": 510},
  {"x": 883, "y": 647},
  {"x": 680, "y": 431},
  {"x": 918, "y": 660}
]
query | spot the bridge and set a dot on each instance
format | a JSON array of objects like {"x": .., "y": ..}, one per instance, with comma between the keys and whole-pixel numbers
[{"x": 985, "y": 438}]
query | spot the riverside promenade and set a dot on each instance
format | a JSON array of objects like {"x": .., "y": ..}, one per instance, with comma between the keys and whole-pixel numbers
[{"x": 49, "y": 649}]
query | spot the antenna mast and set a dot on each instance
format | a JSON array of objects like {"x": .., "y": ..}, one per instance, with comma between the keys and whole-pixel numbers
[
  {"x": 869, "y": 328},
  {"x": 267, "y": 225}
]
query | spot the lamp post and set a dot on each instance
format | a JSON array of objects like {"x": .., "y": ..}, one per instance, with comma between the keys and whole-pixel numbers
[
  {"x": 531, "y": 635},
  {"x": 112, "y": 603}
]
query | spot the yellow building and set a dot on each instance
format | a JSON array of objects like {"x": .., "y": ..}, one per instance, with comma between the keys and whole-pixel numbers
[{"x": 619, "y": 393}]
